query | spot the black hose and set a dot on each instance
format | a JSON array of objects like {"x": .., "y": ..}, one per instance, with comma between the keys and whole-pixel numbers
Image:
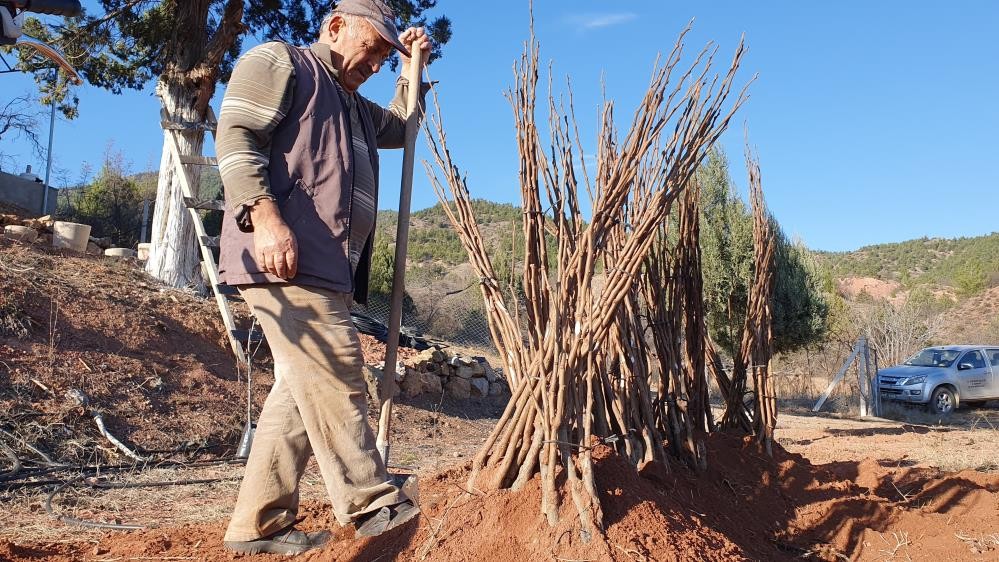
[
  {"x": 14, "y": 459},
  {"x": 21, "y": 480}
]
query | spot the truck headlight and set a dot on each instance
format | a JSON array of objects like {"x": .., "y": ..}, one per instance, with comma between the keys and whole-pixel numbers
[{"x": 913, "y": 380}]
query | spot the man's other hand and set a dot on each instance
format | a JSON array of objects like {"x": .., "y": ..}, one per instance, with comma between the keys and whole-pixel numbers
[
  {"x": 274, "y": 245},
  {"x": 419, "y": 36}
]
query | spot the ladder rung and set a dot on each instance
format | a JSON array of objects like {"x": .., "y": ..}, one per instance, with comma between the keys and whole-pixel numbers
[
  {"x": 206, "y": 205},
  {"x": 187, "y": 126},
  {"x": 199, "y": 160},
  {"x": 210, "y": 241},
  {"x": 242, "y": 335}
]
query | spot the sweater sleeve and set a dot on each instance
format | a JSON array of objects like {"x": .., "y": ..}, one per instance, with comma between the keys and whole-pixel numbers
[
  {"x": 256, "y": 100},
  {"x": 390, "y": 123}
]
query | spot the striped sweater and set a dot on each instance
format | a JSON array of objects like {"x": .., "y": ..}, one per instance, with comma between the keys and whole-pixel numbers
[{"x": 257, "y": 99}]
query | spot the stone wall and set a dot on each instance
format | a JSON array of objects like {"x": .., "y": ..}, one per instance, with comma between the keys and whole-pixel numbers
[{"x": 436, "y": 371}]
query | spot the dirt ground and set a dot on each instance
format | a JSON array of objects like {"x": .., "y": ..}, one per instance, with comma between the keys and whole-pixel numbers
[{"x": 154, "y": 362}]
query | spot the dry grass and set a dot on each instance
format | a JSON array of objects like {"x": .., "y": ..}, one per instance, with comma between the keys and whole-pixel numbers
[{"x": 151, "y": 507}]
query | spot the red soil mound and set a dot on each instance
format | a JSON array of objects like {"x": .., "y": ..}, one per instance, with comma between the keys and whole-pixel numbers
[
  {"x": 745, "y": 506},
  {"x": 154, "y": 360}
]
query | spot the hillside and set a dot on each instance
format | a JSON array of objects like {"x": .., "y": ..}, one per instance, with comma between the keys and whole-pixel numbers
[
  {"x": 431, "y": 237},
  {"x": 970, "y": 265}
]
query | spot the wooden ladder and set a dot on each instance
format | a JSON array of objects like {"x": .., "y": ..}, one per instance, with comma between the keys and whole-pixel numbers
[{"x": 241, "y": 341}]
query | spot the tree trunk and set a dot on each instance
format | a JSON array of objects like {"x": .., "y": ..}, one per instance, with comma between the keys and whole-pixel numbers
[
  {"x": 185, "y": 89},
  {"x": 174, "y": 257}
]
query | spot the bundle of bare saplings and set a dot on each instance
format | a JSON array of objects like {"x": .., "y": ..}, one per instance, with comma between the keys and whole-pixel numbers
[{"x": 607, "y": 342}]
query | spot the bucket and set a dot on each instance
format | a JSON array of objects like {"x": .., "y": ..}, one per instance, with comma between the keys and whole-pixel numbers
[
  {"x": 246, "y": 441},
  {"x": 70, "y": 235},
  {"x": 120, "y": 253},
  {"x": 144, "y": 251},
  {"x": 20, "y": 233}
]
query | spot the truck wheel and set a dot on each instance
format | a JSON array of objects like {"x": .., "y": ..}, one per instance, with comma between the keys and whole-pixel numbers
[{"x": 943, "y": 401}]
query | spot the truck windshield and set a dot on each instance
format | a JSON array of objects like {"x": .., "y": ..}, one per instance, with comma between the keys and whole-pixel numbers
[{"x": 933, "y": 358}]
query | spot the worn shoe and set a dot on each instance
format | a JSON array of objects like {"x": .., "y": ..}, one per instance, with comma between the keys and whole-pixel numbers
[
  {"x": 288, "y": 541},
  {"x": 389, "y": 517}
]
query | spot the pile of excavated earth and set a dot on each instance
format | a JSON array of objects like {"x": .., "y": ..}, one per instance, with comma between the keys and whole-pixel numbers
[{"x": 155, "y": 362}]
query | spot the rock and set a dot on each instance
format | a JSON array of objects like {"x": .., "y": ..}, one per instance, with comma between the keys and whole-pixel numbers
[
  {"x": 465, "y": 372},
  {"x": 459, "y": 388},
  {"x": 496, "y": 389},
  {"x": 427, "y": 355},
  {"x": 20, "y": 233},
  {"x": 373, "y": 378},
  {"x": 490, "y": 374},
  {"x": 432, "y": 384},
  {"x": 437, "y": 355},
  {"x": 480, "y": 388},
  {"x": 120, "y": 253},
  {"x": 479, "y": 369},
  {"x": 143, "y": 252},
  {"x": 412, "y": 384},
  {"x": 104, "y": 243}
]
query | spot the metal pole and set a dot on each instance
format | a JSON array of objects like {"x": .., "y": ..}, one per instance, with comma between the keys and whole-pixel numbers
[
  {"x": 401, "y": 245},
  {"x": 145, "y": 220},
  {"x": 48, "y": 164}
]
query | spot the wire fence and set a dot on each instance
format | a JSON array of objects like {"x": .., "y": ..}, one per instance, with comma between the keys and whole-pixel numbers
[{"x": 452, "y": 317}]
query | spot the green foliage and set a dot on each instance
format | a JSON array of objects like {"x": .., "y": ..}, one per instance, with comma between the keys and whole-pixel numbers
[
  {"x": 382, "y": 274},
  {"x": 726, "y": 251},
  {"x": 112, "y": 204},
  {"x": 970, "y": 278},
  {"x": 382, "y": 264},
  {"x": 800, "y": 307},
  {"x": 800, "y": 311}
]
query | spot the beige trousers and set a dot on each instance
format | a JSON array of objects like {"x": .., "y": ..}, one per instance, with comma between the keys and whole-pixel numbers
[{"x": 316, "y": 406}]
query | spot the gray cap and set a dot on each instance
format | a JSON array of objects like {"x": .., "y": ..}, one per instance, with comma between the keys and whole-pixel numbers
[{"x": 378, "y": 14}]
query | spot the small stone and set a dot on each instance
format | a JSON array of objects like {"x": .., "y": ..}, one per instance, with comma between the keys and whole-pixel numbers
[
  {"x": 479, "y": 369},
  {"x": 465, "y": 372},
  {"x": 426, "y": 355},
  {"x": 432, "y": 384},
  {"x": 412, "y": 384},
  {"x": 480, "y": 388},
  {"x": 373, "y": 379},
  {"x": 437, "y": 355},
  {"x": 490, "y": 374},
  {"x": 457, "y": 455},
  {"x": 496, "y": 389},
  {"x": 459, "y": 388}
]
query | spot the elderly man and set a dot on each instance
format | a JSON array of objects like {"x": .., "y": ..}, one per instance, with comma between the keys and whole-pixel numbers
[{"x": 297, "y": 150}]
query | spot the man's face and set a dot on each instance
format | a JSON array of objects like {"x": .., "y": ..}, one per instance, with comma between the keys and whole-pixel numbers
[{"x": 364, "y": 52}]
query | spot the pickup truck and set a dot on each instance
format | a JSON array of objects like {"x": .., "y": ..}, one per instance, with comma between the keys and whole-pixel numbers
[{"x": 943, "y": 378}]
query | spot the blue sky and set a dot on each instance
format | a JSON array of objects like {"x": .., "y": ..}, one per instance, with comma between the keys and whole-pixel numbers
[{"x": 875, "y": 121}]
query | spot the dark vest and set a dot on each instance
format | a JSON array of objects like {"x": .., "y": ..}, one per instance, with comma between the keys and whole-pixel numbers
[{"x": 311, "y": 175}]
